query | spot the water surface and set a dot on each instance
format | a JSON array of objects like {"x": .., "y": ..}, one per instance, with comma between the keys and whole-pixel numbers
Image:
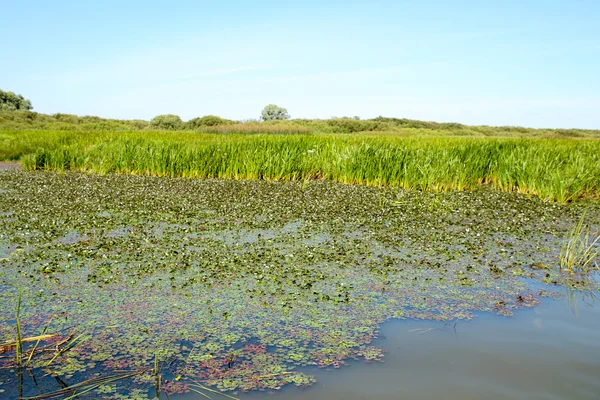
[
  {"x": 548, "y": 352},
  {"x": 252, "y": 286}
]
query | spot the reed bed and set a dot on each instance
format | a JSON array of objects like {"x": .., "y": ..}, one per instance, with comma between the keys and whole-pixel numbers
[{"x": 554, "y": 169}]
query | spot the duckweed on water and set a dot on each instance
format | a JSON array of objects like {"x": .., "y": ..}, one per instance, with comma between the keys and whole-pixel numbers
[{"x": 238, "y": 285}]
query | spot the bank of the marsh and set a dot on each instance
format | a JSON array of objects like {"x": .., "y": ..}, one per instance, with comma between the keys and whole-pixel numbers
[
  {"x": 9, "y": 165},
  {"x": 241, "y": 285},
  {"x": 553, "y": 169}
]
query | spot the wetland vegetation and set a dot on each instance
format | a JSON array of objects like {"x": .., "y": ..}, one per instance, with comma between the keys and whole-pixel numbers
[
  {"x": 263, "y": 231},
  {"x": 138, "y": 285},
  {"x": 142, "y": 263},
  {"x": 27, "y": 120},
  {"x": 553, "y": 169}
]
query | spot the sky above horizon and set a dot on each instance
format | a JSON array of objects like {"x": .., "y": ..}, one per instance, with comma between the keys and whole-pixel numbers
[{"x": 529, "y": 63}]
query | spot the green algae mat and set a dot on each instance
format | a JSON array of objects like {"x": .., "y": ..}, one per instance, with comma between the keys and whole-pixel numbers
[{"x": 132, "y": 287}]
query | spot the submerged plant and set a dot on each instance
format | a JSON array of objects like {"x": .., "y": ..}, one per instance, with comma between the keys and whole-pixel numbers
[{"x": 579, "y": 254}]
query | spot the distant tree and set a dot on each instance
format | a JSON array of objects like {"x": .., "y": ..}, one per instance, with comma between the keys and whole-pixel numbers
[
  {"x": 166, "y": 122},
  {"x": 272, "y": 112},
  {"x": 14, "y": 102}
]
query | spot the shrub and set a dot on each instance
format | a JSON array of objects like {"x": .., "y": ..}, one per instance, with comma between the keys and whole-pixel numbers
[
  {"x": 137, "y": 124},
  {"x": 207, "y": 120},
  {"x": 68, "y": 118},
  {"x": 90, "y": 118},
  {"x": 351, "y": 125},
  {"x": 167, "y": 122}
]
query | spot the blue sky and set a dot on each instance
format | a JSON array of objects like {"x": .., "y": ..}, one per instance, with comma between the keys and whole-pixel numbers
[{"x": 526, "y": 62}]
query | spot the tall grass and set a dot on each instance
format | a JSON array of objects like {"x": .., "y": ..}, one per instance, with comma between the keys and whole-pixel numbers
[
  {"x": 554, "y": 169},
  {"x": 19, "y": 343},
  {"x": 579, "y": 253}
]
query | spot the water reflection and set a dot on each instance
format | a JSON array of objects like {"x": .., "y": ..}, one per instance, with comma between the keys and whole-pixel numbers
[
  {"x": 549, "y": 352},
  {"x": 575, "y": 298}
]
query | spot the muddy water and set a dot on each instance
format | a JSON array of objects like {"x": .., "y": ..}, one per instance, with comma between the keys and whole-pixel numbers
[{"x": 548, "y": 352}]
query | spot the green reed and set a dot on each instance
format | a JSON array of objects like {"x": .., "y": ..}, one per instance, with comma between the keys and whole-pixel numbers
[
  {"x": 19, "y": 342},
  {"x": 553, "y": 169},
  {"x": 579, "y": 253}
]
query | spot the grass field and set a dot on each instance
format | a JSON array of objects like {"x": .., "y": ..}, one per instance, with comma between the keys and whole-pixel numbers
[{"x": 554, "y": 169}]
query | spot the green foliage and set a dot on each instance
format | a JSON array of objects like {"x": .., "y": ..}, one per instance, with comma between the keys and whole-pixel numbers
[
  {"x": 210, "y": 123},
  {"x": 10, "y": 101},
  {"x": 352, "y": 125},
  {"x": 66, "y": 122},
  {"x": 273, "y": 112},
  {"x": 207, "y": 120},
  {"x": 169, "y": 122},
  {"x": 553, "y": 169},
  {"x": 579, "y": 253},
  {"x": 410, "y": 123},
  {"x": 68, "y": 118}
]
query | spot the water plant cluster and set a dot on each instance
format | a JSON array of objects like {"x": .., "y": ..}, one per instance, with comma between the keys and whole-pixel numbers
[
  {"x": 127, "y": 285},
  {"x": 553, "y": 169}
]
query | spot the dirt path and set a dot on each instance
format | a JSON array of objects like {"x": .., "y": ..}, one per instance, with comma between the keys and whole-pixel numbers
[{"x": 6, "y": 165}]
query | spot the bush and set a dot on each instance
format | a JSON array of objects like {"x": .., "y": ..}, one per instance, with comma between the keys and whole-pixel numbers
[
  {"x": 90, "y": 118},
  {"x": 207, "y": 120},
  {"x": 351, "y": 125},
  {"x": 68, "y": 118},
  {"x": 138, "y": 124},
  {"x": 168, "y": 122}
]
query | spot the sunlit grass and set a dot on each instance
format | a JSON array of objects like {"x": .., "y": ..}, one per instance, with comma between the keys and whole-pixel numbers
[
  {"x": 579, "y": 253},
  {"x": 553, "y": 169}
]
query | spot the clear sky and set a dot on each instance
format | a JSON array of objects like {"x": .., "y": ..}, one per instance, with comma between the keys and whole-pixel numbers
[{"x": 502, "y": 62}]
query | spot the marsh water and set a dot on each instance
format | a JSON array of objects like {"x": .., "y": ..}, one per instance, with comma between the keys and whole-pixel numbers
[
  {"x": 289, "y": 290},
  {"x": 549, "y": 352}
]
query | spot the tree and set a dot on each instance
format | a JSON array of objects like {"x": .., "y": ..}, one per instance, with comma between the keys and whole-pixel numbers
[
  {"x": 14, "y": 102},
  {"x": 166, "y": 122},
  {"x": 272, "y": 112}
]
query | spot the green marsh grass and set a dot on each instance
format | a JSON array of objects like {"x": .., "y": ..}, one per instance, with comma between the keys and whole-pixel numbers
[
  {"x": 579, "y": 253},
  {"x": 19, "y": 342},
  {"x": 553, "y": 169}
]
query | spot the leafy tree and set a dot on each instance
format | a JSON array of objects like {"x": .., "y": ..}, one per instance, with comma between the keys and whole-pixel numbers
[
  {"x": 273, "y": 112},
  {"x": 14, "y": 102},
  {"x": 166, "y": 122}
]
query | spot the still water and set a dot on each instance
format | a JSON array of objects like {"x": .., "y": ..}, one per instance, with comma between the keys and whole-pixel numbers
[{"x": 548, "y": 352}]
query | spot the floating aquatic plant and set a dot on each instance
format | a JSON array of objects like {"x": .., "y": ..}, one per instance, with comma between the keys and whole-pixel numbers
[{"x": 241, "y": 285}]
